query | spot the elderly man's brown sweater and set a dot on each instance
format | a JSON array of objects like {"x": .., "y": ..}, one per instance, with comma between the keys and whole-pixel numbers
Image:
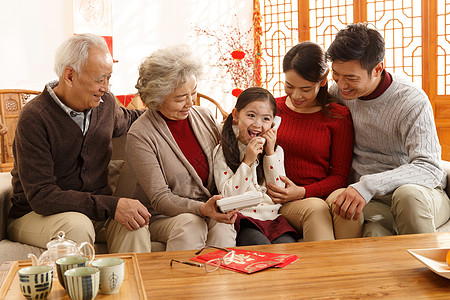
[{"x": 56, "y": 168}]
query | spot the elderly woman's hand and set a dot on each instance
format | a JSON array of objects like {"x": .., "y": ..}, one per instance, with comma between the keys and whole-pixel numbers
[{"x": 209, "y": 209}]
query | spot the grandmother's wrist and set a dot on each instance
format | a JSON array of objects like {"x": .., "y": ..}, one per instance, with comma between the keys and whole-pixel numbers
[{"x": 202, "y": 210}]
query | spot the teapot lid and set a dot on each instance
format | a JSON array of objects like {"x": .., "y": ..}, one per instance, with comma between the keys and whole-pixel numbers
[{"x": 61, "y": 243}]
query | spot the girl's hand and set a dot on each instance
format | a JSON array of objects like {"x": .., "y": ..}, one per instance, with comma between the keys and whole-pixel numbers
[
  {"x": 209, "y": 209},
  {"x": 254, "y": 148},
  {"x": 271, "y": 138}
]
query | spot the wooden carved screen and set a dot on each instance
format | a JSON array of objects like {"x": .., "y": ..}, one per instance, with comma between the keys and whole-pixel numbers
[
  {"x": 11, "y": 102},
  {"x": 439, "y": 70},
  {"x": 279, "y": 34},
  {"x": 416, "y": 33}
]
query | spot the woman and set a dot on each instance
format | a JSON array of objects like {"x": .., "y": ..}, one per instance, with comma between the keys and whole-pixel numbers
[
  {"x": 317, "y": 137},
  {"x": 169, "y": 149}
]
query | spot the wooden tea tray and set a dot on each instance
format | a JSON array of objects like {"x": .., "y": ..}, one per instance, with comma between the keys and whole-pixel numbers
[{"x": 132, "y": 286}]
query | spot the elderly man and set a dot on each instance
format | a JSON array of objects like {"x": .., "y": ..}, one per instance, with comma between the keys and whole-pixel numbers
[{"x": 62, "y": 148}]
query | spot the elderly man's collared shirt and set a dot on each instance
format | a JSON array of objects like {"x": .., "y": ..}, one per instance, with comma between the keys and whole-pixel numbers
[{"x": 81, "y": 118}]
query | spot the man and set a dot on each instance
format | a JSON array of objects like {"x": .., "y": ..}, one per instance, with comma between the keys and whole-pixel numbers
[
  {"x": 396, "y": 169},
  {"x": 62, "y": 148}
]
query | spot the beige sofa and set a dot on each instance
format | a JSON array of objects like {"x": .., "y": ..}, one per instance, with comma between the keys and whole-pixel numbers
[{"x": 123, "y": 184}]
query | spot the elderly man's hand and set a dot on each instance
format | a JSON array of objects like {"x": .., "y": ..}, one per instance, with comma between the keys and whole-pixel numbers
[
  {"x": 209, "y": 209},
  {"x": 131, "y": 213}
]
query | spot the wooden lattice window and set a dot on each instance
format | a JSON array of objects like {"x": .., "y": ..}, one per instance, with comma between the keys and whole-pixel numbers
[
  {"x": 416, "y": 32},
  {"x": 279, "y": 34},
  {"x": 443, "y": 47}
]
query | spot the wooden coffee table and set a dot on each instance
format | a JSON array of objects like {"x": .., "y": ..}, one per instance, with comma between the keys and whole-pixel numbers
[{"x": 344, "y": 269}]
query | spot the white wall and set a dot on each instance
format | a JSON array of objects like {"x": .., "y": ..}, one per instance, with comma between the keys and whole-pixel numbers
[{"x": 31, "y": 31}]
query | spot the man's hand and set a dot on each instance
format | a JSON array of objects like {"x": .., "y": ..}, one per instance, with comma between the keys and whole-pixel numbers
[
  {"x": 349, "y": 202},
  {"x": 209, "y": 209},
  {"x": 132, "y": 214},
  {"x": 283, "y": 195}
]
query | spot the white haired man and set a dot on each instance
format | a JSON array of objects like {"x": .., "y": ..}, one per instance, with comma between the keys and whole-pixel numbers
[{"x": 62, "y": 149}]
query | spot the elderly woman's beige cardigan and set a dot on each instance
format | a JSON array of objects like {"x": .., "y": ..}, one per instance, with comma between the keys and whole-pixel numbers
[{"x": 166, "y": 182}]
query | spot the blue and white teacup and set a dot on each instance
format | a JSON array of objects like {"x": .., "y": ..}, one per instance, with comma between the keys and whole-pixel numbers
[
  {"x": 36, "y": 281},
  {"x": 70, "y": 262},
  {"x": 82, "y": 283}
]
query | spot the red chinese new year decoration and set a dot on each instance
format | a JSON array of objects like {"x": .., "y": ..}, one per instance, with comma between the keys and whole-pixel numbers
[
  {"x": 125, "y": 99},
  {"x": 248, "y": 261},
  {"x": 257, "y": 33},
  {"x": 238, "y": 54},
  {"x": 236, "y": 92}
]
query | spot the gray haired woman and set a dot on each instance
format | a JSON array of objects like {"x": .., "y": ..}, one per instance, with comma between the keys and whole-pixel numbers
[{"x": 169, "y": 149}]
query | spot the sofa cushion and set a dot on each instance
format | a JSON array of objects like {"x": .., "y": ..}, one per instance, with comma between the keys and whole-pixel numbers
[
  {"x": 16, "y": 251},
  {"x": 126, "y": 182},
  {"x": 446, "y": 167},
  {"x": 114, "y": 168},
  {"x": 5, "y": 203}
]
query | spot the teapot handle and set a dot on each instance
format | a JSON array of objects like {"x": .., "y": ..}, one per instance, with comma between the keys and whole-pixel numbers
[
  {"x": 91, "y": 251},
  {"x": 44, "y": 260}
]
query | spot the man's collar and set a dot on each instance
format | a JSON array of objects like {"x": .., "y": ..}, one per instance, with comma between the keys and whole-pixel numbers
[
  {"x": 381, "y": 88},
  {"x": 50, "y": 86}
]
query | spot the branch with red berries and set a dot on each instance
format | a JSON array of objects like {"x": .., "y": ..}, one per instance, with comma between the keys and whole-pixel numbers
[{"x": 236, "y": 54}]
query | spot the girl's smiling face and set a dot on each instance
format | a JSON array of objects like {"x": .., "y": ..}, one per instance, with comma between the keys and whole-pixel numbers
[{"x": 253, "y": 120}]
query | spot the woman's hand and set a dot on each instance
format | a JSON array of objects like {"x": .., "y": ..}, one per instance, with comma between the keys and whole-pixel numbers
[
  {"x": 271, "y": 138},
  {"x": 254, "y": 148},
  {"x": 289, "y": 193},
  {"x": 209, "y": 209}
]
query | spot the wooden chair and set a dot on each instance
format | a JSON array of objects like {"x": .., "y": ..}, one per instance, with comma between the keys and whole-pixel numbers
[
  {"x": 11, "y": 102},
  {"x": 218, "y": 106},
  {"x": 136, "y": 102}
]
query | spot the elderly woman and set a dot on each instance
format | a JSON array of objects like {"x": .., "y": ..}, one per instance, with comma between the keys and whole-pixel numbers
[{"x": 169, "y": 149}]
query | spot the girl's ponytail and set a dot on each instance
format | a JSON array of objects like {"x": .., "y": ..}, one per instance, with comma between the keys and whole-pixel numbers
[{"x": 230, "y": 146}]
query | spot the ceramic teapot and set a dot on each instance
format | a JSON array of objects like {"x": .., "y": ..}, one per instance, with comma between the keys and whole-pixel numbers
[{"x": 61, "y": 247}]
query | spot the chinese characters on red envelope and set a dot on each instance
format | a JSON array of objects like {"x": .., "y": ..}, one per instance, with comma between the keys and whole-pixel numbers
[{"x": 247, "y": 261}]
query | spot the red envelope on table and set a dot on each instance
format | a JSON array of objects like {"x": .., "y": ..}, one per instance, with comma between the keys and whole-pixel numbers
[{"x": 248, "y": 261}]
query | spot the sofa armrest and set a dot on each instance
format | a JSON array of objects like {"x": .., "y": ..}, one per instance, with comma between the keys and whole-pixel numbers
[
  {"x": 446, "y": 166},
  {"x": 5, "y": 201}
]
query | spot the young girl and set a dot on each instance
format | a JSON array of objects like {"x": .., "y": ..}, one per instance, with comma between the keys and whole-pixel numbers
[{"x": 246, "y": 159}]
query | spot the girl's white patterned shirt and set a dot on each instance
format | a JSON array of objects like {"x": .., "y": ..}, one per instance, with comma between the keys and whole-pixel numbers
[{"x": 245, "y": 179}]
